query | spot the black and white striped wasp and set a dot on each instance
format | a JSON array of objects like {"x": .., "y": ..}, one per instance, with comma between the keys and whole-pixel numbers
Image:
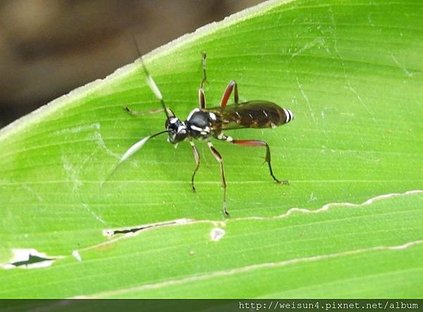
[{"x": 205, "y": 123}]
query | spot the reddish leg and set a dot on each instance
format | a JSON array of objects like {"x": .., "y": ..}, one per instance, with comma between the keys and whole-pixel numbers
[
  {"x": 197, "y": 163},
  {"x": 255, "y": 143},
  {"x": 232, "y": 86},
  {"x": 201, "y": 93},
  {"x": 201, "y": 98},
  {"x": 219, "y": 159}
]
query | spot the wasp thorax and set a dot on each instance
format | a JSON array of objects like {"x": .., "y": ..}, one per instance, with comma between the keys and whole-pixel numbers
[
  {"x": 177, "y": 130},
  {"x": 199, "y": 123}
]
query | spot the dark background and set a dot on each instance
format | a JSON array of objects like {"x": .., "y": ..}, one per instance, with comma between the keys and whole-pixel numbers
[{"x": 49, "y": 47}]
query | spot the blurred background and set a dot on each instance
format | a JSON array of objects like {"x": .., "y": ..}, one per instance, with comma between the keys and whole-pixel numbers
[{"x": 49, "y": 47}]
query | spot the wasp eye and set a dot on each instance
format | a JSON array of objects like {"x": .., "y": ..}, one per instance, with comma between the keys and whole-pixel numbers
[{"x": 172, "y": 123}]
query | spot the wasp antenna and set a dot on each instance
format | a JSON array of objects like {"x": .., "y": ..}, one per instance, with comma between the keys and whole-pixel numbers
[
  {"x": 204, "y": 66},
  {"x": 136, "y": 45},
  {"x": 131, "y": 151},
  {"x": 137, "y": 146},
  {"x": 150, "y": 81},
  {"x": 154, "y": 88}
]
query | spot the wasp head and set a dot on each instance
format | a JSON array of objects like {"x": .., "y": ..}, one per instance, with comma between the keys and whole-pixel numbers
[{"x": 177, "y": 129}]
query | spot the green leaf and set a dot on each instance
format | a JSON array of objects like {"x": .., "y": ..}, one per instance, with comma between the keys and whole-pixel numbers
[{"x": 348, "y": 225}]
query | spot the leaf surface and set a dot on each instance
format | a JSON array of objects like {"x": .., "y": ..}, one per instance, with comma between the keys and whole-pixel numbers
[{"x": 350, "y": 71}]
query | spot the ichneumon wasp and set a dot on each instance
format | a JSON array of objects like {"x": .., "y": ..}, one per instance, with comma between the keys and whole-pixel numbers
[{"x": 205, "y": 123}]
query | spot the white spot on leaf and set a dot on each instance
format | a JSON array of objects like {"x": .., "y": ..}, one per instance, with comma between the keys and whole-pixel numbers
[
  {"x": 217, "y": 234},
  {"x": 77, "y": 255}
]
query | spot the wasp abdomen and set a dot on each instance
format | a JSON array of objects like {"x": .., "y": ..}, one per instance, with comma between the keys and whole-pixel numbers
[{"x": 257, "y": 114}]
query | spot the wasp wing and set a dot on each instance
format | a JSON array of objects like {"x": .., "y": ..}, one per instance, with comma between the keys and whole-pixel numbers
[{"x": 253, "y": 114}]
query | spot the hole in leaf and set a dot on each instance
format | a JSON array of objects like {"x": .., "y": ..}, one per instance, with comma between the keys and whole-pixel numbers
[
  {"x": 136, "y": 229},
  {"x": 29, "y": 259}
]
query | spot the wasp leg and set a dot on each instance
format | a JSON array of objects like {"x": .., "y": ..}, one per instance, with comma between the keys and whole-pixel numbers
[
  {"x": 201, "y": 98},
  {"x": 197, "y": 163},
  {"x": 143, "y": 113},
  {"x": 258, "y": 143},
  {"x": 219, "y": 158},
  {"x": 201, "y": 93},
  {"x": 232, "y": 86}
]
